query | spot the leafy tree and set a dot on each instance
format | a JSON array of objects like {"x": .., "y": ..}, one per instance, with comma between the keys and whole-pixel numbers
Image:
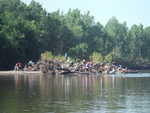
[
  {"x": 117, "y": 32},
  {"x": 26, "y": 31},
  {"x": 79, "y": 51},
  {"x": 135, "y": 41}
]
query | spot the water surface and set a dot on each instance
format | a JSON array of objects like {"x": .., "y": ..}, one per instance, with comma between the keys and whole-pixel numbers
[{"x": 128, "y": 93}]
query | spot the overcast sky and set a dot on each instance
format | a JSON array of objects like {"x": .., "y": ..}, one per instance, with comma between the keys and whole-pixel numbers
[{"x": 131, "y": 11}]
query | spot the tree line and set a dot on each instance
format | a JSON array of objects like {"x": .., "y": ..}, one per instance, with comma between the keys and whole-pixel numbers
[{"x": 26, "y": 31}]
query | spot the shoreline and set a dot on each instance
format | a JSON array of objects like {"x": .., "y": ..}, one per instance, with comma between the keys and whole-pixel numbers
[{"x": 11, "y": 72}]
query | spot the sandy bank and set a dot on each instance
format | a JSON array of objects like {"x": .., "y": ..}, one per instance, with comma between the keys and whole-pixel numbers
[{"x": 19, "y": 72}]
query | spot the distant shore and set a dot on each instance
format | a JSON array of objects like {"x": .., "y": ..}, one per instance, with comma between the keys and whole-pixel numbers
[{"x": 11, "y": 72}]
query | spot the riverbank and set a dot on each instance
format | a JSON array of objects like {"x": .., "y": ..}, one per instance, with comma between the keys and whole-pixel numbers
[{"x": 10, "y": 72}]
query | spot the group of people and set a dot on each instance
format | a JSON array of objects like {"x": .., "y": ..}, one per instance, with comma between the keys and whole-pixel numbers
[
  {"x": 78, "y": 66},
  {"x": 112, "y": 69},
  {"x": 105, "y": 68},
  {"x": 24, "y": 67}
]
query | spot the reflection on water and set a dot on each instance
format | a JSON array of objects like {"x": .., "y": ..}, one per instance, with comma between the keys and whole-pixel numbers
[{"x": 74, "y": 94}]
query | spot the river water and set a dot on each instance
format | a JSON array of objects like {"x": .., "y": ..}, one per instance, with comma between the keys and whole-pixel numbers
[{"x": 128, "y": 93}]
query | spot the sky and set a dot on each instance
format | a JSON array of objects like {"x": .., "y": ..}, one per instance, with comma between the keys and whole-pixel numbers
[{"x": 131, "y": 11}]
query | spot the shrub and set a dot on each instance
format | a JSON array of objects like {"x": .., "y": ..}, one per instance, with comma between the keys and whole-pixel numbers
[
  {"x": 47, "y": 55},
  {"x": 108, "y": 58},
  {"x": 60, "y": 58},
  {"x": 96, "y": 57}
]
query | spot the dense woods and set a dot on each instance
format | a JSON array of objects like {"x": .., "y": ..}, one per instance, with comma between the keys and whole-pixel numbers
[{"x": 26, "y": 31}]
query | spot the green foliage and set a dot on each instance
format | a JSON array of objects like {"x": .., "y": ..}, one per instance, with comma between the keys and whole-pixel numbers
[
  {"x": 96, "y": 57},
  {"x": 26, "y": 31},
  {"x": 79, "y": 50},
  {"x": 46, "y": 55},
  {"x": 60, "y": 58},
  {"x": 117, "y": 33},
  {"x": 109, "y": 58}
]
